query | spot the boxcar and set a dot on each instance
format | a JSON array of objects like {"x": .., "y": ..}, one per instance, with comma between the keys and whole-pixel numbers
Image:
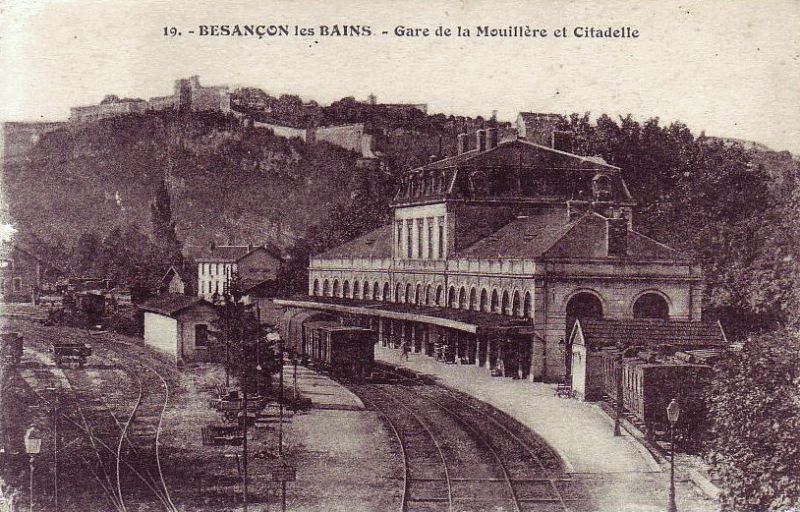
[
  {"x": 344, "y": 351},
  {"x": 293, "y": 332},
  {"x": 69, "y": 352},
  {"x": 649, "y": 384}
]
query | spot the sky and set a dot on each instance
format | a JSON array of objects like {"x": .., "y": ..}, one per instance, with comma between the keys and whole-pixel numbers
[{"x": 729, "y": 68}]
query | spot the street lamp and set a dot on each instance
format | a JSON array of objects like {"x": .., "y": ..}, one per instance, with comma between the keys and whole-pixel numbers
[
  {"x": 33, "y": 444},
  {"x": 673, "y": 412}
]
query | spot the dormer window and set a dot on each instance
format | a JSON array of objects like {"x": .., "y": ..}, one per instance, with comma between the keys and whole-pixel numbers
[{"x": 601, "y": 187}]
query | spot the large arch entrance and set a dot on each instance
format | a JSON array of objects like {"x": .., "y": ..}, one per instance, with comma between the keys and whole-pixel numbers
[{"x": 581, "y": 305}]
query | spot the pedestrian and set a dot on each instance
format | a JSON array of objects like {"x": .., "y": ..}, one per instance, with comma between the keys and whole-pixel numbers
[{"x": 405, "y": 349}]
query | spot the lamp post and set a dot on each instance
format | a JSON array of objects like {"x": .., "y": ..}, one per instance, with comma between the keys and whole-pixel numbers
[
  {"x": 673, "y": 412},
  {"x": 33, "y": 444}
]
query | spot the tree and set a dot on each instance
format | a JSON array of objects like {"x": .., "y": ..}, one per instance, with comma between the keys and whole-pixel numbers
[
  {"x": 164, "y": 233},
  {"x": 754, "y": 442}
]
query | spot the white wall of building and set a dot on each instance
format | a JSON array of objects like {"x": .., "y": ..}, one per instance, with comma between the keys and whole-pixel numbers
[{"x": 161, "y": 333}]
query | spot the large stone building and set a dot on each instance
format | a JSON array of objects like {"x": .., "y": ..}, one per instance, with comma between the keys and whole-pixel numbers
[
  {"x": 257, "y": 268},
  {"x": 497, "y": 250}
]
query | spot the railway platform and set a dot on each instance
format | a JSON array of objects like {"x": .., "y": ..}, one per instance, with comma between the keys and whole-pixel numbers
[{"x": 620, "y": 472}]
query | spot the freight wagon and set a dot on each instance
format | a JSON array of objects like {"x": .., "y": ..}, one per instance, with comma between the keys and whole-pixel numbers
[{"x": 649, "y": 383}]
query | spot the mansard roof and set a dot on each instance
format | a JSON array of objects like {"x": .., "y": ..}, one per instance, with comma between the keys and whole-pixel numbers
[
  {"x": 549, "y": 236},
  {"x": 645, "y": 333},
  {"x": 513, "y": 169},
  {"x": 376, "y": 244}
]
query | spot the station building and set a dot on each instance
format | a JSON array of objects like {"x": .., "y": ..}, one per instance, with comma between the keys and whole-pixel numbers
[{"x": 495, "y": 252}]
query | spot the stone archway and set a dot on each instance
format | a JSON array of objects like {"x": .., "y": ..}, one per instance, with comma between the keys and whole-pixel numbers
[{"x": 651, "y": 305}]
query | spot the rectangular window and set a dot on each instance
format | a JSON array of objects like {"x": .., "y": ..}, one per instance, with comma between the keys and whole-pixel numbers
[
  {"x": 441, "y": 238},
  {"x": 410, "y": 241},
  {"x": 17, "y": 284},
  {"x": 420, "y": 234},
  {"x": 400, "y": 239},
  {"x": 430, "y": 238},
  {"x": 200, "y": 335}
]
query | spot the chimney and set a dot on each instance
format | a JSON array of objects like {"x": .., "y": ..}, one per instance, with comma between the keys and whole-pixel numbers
[
  {"x": 491, "y": 138},
  {"x": 462, "y": 143},
  {"x": 480, "y": 140},
  {"x": 617, "y": 236}
]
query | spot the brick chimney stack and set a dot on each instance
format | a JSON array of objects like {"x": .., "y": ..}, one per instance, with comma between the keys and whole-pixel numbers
[
  {"x": 462, "y": 142},
  {"x": 480, "y": 140},
  {"x": 491, "y": 138},
  {"x": 617, "y": 236}
]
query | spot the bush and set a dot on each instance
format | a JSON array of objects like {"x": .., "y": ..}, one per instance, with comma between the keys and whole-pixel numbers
[{"x": 754, "y": 442}]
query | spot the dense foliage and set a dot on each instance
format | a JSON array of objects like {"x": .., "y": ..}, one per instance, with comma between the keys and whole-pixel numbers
[{"x": 755, "y": 439}]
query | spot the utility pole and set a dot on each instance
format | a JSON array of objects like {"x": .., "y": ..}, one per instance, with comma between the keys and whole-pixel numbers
[
  {"x": 55, "y": 450},
  {"x": 618, "y": 416},
  {"x": 244, "y": 425},
  {"x": 280, "y": 426}
]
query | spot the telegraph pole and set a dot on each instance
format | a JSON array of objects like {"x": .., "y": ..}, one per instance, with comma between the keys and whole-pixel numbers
[{"x": 244, "y": 436}]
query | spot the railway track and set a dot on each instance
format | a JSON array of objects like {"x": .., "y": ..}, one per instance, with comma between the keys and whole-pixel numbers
[
  {"x": 477, "y": 459},
  {"x": 122, "y": 428}
]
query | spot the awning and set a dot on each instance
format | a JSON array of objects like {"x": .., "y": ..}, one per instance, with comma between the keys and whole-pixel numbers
[{"x": 463, "y": 320}]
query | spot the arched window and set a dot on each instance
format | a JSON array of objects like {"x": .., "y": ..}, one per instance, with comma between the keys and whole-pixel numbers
[
  {"x": 427, "y": 295},
  {"x": 462, "y": 298},
  {"x": 376, "y": 291},
  {"x": 515, "y": 305},
  {"x": 651, "y": 305},
  {"x": 386, "y": 292},
  {"x": 336, "y": 288},
  {"x": 527, "y": 307},
  {"x": 397, "y": 289},
  {"x": 356, "y": 290},
  {"x": 484, "y": 306},
  {"x": 315, "y": 290},
  {"x": 473, "y": 299},
  {"x": 346, "y": 289},
  {"x": 451, "y": 297},
  {"x": 439, "y": 295},
  {"x": 418, "y": 294},
  {"x": 504, "y": 306},
  {"x": 407, "y": 298},
  {"x": 326, "y": 289},
  {"x": 365, "y": 293},
  {"x": 495, "y": 302}
]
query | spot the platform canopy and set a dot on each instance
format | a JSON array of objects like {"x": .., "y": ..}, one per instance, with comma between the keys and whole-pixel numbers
[{"x": 475, "y": 322}]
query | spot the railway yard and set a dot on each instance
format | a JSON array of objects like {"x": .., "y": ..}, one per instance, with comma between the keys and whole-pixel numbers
[{"x": 129, "y": 440}]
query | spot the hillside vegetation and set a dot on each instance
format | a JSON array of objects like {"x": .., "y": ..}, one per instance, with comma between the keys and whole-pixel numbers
[{"x": 730, "y": 206}]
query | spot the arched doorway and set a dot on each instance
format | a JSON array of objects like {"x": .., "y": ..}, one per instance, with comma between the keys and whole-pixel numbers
[
  {"x": 346, "y": 289},
  {"x": 581, "y": 305},
  {"x": 397, "y": 289},
  {"x": 495, "y": 302},
  {"x": 505, "y": 304},
  {"x": 407, "y": 298},
  {"x": 651, "y": 305},
  {"x": 473, "y": 300},
  {"x": 315, "y": 290},
  {"x": 462, "y": 298},
  {"x": 484, "y": 301},
  {"x": 515, "y": 305},
  {"x": 326, "y": 288},
  {"x": 451, "y": 297},
  {"x": 386, "y": 292},
  {"x": 337, "y": 290},
  {"x": 439, "y": 295}
]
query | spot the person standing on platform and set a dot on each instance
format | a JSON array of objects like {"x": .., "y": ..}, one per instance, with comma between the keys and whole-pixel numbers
[{"x": 404, "y": 346}]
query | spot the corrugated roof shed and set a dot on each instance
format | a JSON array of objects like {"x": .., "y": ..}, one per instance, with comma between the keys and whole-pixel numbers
[
  {"x": 646, "y": 332},
  {"x": 171, "y": 303}
]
